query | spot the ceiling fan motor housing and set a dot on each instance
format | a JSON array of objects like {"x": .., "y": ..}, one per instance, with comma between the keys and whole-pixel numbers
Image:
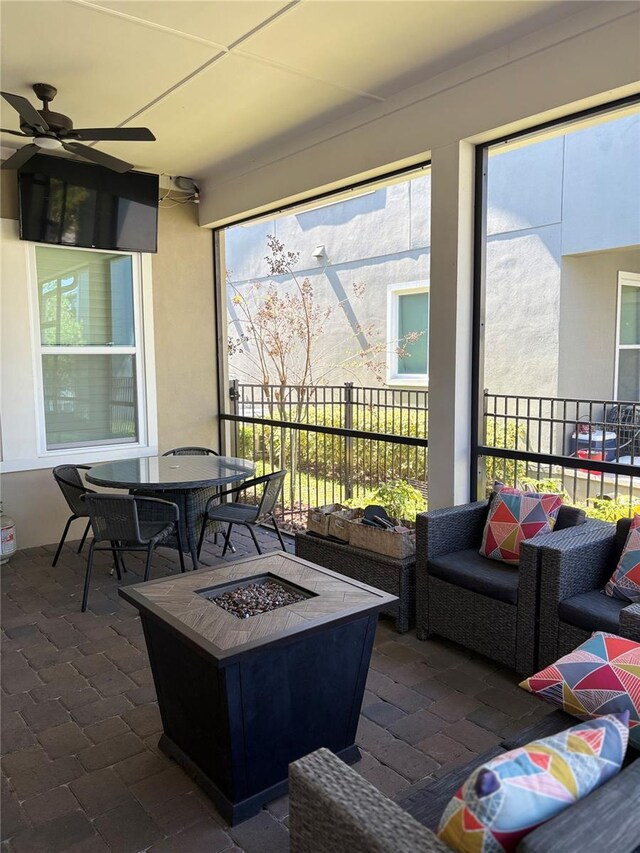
[{"x": 57, "y": 122}]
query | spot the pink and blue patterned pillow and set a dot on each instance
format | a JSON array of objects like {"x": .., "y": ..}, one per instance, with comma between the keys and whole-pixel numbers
[
  {"x": 624, "y": 583},
  {"x": 514, "y": 516},
  {"x": 601, "y": 676},
  {"x": 508, "y": 797}
]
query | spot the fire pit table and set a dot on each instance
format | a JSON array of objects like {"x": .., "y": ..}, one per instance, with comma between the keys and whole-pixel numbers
[{"x": 242, "y": 696}]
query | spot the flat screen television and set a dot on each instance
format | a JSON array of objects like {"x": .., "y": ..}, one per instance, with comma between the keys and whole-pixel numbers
[{"x": 70, "y": 203}]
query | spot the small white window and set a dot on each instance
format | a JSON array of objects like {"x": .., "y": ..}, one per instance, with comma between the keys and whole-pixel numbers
[
  {"x": 627, "y": 374},
  {"x": 408, "y": 333},
  {"x": 91, "y": 364}
]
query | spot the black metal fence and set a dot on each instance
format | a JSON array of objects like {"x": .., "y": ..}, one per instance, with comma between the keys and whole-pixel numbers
[
  {"x": 588, "y": 448},
  {"x": 336, "y": 441}
]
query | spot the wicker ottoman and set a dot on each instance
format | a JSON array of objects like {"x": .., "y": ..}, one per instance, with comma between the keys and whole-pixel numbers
[{"x": 397, "y": 577}]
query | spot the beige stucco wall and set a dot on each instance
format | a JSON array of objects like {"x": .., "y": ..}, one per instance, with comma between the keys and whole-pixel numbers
[
  {"x": 184, "y": 333},
  {"x": 588, "y": 305},
  {"x": 8, "y": 195},
  {"x": 184, "y": 325}
]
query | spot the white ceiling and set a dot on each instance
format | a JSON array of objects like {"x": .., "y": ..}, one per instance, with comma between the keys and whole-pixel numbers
[{"x": 222, "y": 80}]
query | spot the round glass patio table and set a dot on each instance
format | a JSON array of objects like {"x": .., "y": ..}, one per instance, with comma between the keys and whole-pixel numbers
[{"x": 188, "y": 481}]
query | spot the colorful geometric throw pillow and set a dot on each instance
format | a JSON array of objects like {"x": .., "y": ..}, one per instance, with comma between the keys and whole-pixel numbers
[
  {"x": 514, "y": 516},
  {"x": 602, "y": 676},
  {"x": 624, "y": 583},
  {"x": 509, "y": 796}
]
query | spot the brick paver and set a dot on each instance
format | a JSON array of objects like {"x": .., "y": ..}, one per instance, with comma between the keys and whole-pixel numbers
[{"x": 80, "y": 722}]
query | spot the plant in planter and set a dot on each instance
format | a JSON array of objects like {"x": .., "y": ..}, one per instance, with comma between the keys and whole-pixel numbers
[{"x": 400, "y": 499}]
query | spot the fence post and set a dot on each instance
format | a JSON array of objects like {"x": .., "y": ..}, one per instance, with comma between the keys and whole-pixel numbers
[
  {"x": 481, "y": 461},
  {"x": 348, "y": 442},
  {"x": 234, "y": 396}
]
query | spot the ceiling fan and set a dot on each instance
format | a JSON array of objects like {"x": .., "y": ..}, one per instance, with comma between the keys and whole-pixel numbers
[{"x": 53, "y": 131}]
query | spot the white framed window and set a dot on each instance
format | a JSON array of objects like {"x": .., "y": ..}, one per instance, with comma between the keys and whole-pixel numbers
[
  {"x": 77, "y": 377},
  {"x": 90, "y": 370},
  {"x": 408, "y": 333},
  {"x": 627, "y": 363}
]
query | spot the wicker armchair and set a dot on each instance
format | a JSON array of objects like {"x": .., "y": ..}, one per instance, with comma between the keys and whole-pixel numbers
[
  {"x": 334, "y": 809},
  {"x": 115, "y": 519},
  {"x": 480, "y": 603},
  {"x": 574, "y": 571}
]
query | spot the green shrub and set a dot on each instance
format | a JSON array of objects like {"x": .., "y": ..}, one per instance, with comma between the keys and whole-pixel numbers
[
  {"x": 324, "y": 456},
  {"x": 509, "y": 436},
  {"x": 606, "y": 509},
  {"x": 610, "y": 509},
  {"x": 545, "y": 485}
]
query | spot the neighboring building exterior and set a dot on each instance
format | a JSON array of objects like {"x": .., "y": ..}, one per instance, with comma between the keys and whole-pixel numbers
[
  {"x": 563, "y": 233},
  {"x": 379, "y": 239}
]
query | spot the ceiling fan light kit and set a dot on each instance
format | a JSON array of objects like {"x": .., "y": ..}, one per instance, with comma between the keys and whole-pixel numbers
[
  {"x": 49, "y": 143},
  {"x": 51, "y": 131}
]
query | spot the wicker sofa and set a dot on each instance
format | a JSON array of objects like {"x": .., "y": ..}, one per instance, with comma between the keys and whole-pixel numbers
[
  {"x": 334, "y": 809},
  {"x": 480, "y": 603},
  {"x": 573, "y": 573}
]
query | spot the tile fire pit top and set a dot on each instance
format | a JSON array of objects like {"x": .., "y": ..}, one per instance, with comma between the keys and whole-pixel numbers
[{"x": 183, "y": 602}]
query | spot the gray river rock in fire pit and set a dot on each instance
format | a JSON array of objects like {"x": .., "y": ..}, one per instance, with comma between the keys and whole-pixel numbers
[{"x": 256, "y": 598}]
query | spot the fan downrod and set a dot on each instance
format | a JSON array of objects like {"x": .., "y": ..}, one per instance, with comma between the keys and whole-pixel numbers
[{"x": 44, "y": 92}]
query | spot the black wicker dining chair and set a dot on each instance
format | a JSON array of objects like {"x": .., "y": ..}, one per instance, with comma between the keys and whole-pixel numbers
[
  {"x": 71, "y": 485},
  {"x": 191, "y": 451},
  {"x": 248, "y": 515},
  {"x": 196, "y": 451},
  {"x": 116, "y": 519}
]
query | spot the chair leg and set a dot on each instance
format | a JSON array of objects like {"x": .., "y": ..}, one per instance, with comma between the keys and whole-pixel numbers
[
  {"x": 226, "y": 539},
  {"x": 180, "y": 551},
  {"x": 275, "y": 524},
  {"x": 202, "y": 534},
  {"x": 147, "y": 567},
  {"x": 253, "y": 536},
  {"x": 64, "y": 536},
  {"x": 87, "y": 577},
  {"x": 84, "y": 536},
  {"x": 116, "y": 561}
]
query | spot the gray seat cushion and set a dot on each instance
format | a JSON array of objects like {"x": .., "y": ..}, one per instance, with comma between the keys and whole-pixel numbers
[
  {"x": 622, "y": 531},
  {"x": 478, "y": 574},
  {"x": 592, "y": 611},
  {"x": 605, "y": 820},
  {"x": 429, "y": 799},
  {"x": 569, "y": 516},
  {"x": 235, "y": 513}
]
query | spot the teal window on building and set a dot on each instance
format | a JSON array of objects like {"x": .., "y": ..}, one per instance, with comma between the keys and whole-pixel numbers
[
  {"x": 408, "y": 329},
  {"x": 413, "y": 322}
]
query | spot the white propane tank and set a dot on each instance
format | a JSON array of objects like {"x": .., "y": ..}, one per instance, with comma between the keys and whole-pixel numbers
[{"x": 9, "y": 544}]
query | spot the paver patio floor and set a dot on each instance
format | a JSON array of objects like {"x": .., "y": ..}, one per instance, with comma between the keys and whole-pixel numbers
[{"x": 81, "y": 771}]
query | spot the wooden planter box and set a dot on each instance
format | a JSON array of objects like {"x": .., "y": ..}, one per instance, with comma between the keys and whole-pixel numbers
[
  {"x": 341, "y": 523},
  {"x": 242, "y": 698},
  {"x": 332, "y": 520},
  {"x": 318, "y": 518},
  {"x": 387, "y": 542}
]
